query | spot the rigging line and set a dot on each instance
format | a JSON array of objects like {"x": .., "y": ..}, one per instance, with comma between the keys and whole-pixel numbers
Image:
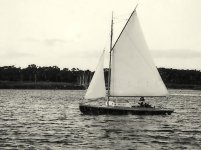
[
  {"x": 124, "y": 26},
  {"x": 123, "y": 20},
  {"x": 122, "y": 15}
]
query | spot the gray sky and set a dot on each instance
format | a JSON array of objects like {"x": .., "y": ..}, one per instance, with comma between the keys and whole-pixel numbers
[{"x": 73, "y": 33}]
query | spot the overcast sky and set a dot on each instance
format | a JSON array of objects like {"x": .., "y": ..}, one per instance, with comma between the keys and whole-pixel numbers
[{"x": 73, "y": 33}]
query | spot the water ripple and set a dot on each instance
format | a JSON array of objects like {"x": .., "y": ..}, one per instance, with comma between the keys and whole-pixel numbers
[{"x": 50, "y": 119}]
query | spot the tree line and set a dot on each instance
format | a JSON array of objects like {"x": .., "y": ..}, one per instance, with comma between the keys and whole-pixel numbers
[{"x": 33, "y": 73}]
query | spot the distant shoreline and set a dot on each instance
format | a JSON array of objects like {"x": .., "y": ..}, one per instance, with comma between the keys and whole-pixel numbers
[
  {"x": 184, "y": 86},
  {"x": 52, "y": 77},
  {"x": 40, "y": 85},
  {"x": 71, "y": 86}
]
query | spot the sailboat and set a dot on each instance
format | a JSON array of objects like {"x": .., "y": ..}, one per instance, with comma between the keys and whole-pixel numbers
[{"x": 132, "y": 73}]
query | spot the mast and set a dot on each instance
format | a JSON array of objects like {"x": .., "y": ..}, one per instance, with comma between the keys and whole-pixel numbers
[
  {"x": 109, "y": 75},
  {"x": 111, "y": 47}
]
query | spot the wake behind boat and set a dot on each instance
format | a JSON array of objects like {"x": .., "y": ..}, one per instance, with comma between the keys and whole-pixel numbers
[{"x": 132, "y": 73}]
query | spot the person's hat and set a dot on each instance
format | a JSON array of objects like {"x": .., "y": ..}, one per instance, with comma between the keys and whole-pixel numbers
[{"x": 141, "y": 99}]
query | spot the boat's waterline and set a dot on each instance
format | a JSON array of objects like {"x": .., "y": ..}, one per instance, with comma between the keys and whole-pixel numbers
[{"x": 117, "y": 110}]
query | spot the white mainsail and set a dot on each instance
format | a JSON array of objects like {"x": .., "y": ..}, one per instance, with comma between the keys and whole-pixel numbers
[
  {"x": 97, "y": 88},
  {"x": 133, "y": 72}
]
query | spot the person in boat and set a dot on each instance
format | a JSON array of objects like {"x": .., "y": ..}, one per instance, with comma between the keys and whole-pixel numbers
[
  {"x": 141, "y": 103},
  {"x": 142, "y": 99}
]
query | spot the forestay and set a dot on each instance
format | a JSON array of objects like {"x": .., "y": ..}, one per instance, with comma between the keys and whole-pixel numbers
[
  {"x": 133, "y": 72},
  {"x": 96, "y": 88}
]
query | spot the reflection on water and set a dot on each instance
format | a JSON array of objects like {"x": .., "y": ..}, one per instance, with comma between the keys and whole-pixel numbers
[{"x": 50, "y": 119}]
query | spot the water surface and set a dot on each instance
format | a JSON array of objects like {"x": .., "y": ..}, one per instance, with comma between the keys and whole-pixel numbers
[{"x": 50, "y": 119}]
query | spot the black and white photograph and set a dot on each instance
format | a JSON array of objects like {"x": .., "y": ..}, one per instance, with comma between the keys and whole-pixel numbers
[{"x": 100, "y": 74}]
